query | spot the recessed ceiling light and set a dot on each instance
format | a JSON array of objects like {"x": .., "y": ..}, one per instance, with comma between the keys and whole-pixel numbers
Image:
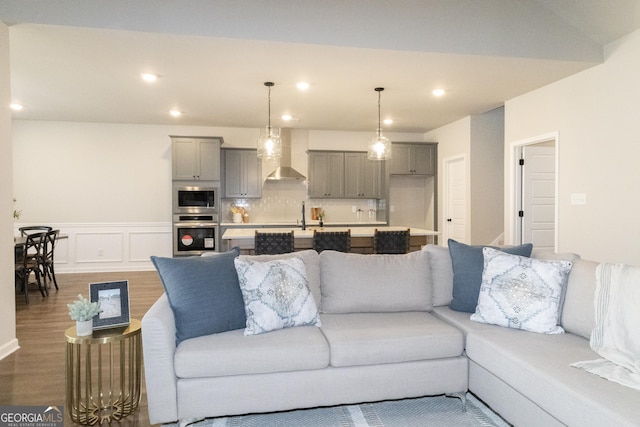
[
  {"x": 175, "y": 113},
  {"x": 149, "y": 77},
  {"x": 387, "y": 121},
  {"x": 302, "y": 85},
  {"x": 438, "y": 92},
  {"x": 16, "y": 107},
  {"x": 286, "y": 117}
]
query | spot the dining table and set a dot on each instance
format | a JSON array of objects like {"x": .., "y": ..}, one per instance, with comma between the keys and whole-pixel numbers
[{"x": 21, "y": 240}]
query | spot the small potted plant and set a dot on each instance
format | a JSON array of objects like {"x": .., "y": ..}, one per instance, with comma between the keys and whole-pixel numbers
[{"x": 83, "y": 311}]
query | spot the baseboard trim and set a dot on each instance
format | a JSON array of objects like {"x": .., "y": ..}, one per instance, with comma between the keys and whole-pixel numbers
[{"x": 9, "y": 348}]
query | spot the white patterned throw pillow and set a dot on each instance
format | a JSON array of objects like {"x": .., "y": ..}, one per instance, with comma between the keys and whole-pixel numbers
[
  {"x": 521, "y": 293},
  {"x": 276, "y": 295}
]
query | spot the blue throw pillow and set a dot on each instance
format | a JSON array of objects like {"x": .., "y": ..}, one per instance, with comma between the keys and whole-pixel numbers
[
  {"x": 203, "y": 292},
  {"x": 468, "y": 263}
]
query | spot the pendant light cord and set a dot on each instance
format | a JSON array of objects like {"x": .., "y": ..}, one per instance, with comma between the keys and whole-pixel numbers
[
  {"x": 269, "y": 108},
  {"x": 379, "y": 130}
]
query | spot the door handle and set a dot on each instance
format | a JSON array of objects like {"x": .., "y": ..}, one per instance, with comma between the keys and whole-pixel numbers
[{"x": 448, "y": 219}]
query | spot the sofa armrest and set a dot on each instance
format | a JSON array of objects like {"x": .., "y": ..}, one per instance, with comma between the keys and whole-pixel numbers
[{"x": 159, "y": 347}]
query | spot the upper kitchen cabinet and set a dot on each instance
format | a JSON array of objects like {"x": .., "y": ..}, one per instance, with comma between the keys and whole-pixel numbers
[
  {"x": 326, "y": 174},
  {"x": 413, "y": 159},
  {"x": 196, "y": 158},
  {"x": 242, "y": 173},
  {"x": 363, "y": 178}
]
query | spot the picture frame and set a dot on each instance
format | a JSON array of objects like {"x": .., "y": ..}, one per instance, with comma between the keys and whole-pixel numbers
[{"x": 114, "y": 303}]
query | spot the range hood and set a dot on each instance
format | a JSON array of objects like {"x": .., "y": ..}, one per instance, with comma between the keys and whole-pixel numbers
[{"x": 285, "y": 172}]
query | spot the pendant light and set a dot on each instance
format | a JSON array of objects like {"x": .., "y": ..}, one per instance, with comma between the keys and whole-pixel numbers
[
  {"x": 379, "y": 147},
  {"x": 269, "y": 144}
]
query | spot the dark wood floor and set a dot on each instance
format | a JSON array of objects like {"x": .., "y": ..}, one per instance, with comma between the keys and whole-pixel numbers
[{"x": 34, "y": 375}]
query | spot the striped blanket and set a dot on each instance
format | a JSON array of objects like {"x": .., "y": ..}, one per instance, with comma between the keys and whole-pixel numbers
[{"x": 616, "y": 336}]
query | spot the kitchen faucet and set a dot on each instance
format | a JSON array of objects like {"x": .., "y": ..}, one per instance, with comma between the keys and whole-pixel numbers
[{"x": 304, "y": 223}]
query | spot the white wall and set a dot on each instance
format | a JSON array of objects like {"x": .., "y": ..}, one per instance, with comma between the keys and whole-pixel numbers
[
  {"x": 96, "y": 172},
  {"x": 596, "y": 114},
  {"x": 487, "y": 179},
  {"x": 480, "y": 140},
  {"x": 8, "y": 341},
  {"x": 453, "y": 140}
]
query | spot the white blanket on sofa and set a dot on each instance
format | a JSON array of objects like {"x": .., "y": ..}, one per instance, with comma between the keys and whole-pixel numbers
[{"x": 616, "y": 336}]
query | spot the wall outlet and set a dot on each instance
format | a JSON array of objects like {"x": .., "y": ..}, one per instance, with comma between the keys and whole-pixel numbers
[
  {"x": 354, "y": 209},
  {"x": 100, "y": 252},
  {"x": 578, "y": 199}
]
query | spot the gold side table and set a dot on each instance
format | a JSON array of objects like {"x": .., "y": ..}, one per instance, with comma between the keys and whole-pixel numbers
[{"x": 103, "y": 373}]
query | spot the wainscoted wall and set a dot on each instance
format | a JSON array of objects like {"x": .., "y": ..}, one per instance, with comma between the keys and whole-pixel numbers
[{"x": 109, "y": 246}]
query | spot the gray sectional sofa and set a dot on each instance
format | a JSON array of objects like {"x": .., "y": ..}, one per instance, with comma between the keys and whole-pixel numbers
[{"x": 386, "y": 332}]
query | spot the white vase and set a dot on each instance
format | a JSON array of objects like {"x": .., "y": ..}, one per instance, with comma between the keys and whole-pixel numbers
[{"x": 84, "y": 327}]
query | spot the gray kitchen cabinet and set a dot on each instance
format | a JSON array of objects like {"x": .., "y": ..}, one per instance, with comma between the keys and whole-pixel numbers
[
  {"x": 242, "y": 173},
  {"x": 326, "y": 174},
  {"x": 413, "y": 159},
  {"x": 195, "y": 158},
  {"x": 363, "y": 178}
]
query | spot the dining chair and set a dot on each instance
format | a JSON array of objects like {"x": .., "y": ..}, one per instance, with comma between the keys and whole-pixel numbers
[
  {"x": 46, "y": 261},
  {"x": 273, "y": 243},
  {"x": 27, "y": 262},
  {"x": 391, "y": 242},
  {"x": 332, "y": 240}
]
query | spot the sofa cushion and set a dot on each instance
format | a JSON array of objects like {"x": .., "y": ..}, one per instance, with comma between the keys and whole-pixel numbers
[
  {"x": 354, "y": 283},
  {"x": 203, "y": 293},
  {"x": 233, "y": 353},
  {"x": 357, "y": 339},
  {"x": 521, "y": 293},
  {"x": 311, "y": 261},
  {"x": 441, "y": 274},
  {"x": 538, "y": 367},
  {"x": 578, "y": 313},
  {"x": 468, "y": 263},
  {"x": 276, "y": 295}
]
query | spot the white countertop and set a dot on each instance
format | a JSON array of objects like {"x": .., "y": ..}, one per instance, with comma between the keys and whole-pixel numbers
[
  {"x": 249, "y": 233},
  {"x": 292, "y": 224}
]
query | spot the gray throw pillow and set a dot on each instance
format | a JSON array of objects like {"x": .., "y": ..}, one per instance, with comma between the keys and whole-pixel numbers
[
  {"x": 203, "y": 292},
  {"x": 468, "y": 264}
]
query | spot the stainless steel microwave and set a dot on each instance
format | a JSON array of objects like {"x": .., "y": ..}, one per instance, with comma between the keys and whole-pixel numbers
[{"x": 195, "y": 199}]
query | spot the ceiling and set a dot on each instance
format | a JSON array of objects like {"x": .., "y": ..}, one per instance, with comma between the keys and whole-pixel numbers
[{"x": 81, "y": 60}]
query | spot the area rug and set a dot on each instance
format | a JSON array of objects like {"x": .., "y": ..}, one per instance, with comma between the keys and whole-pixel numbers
[{"x": 435, "y": 411}]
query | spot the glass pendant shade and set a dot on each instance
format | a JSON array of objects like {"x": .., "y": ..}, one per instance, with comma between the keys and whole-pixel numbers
[
  {"x": 379, "y": 147},
  {"x": 269, "y": 144}
]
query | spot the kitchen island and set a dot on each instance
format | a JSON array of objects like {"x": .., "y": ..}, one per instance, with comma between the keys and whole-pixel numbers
[{"x": 361, "y": 237}]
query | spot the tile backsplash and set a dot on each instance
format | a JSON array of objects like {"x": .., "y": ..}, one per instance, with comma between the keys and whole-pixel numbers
[{"x": 282, "y": 202}]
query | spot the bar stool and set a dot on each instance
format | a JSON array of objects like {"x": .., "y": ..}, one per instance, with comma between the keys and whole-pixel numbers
[
  {"x": 391, "y": 242},
  {"x": 332, "y": 240},
  {"x": 273, "y": 243}
]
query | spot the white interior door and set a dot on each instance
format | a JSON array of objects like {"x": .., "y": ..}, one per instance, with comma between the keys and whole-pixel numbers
[
  {"x": 455, "y": 199},
  {"x": 538, "y": 196}
]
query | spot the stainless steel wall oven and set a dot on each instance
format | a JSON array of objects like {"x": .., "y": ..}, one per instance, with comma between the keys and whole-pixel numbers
[
  {"x": 194, "y": 234},
  {"x": 195, "y": 218}
]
